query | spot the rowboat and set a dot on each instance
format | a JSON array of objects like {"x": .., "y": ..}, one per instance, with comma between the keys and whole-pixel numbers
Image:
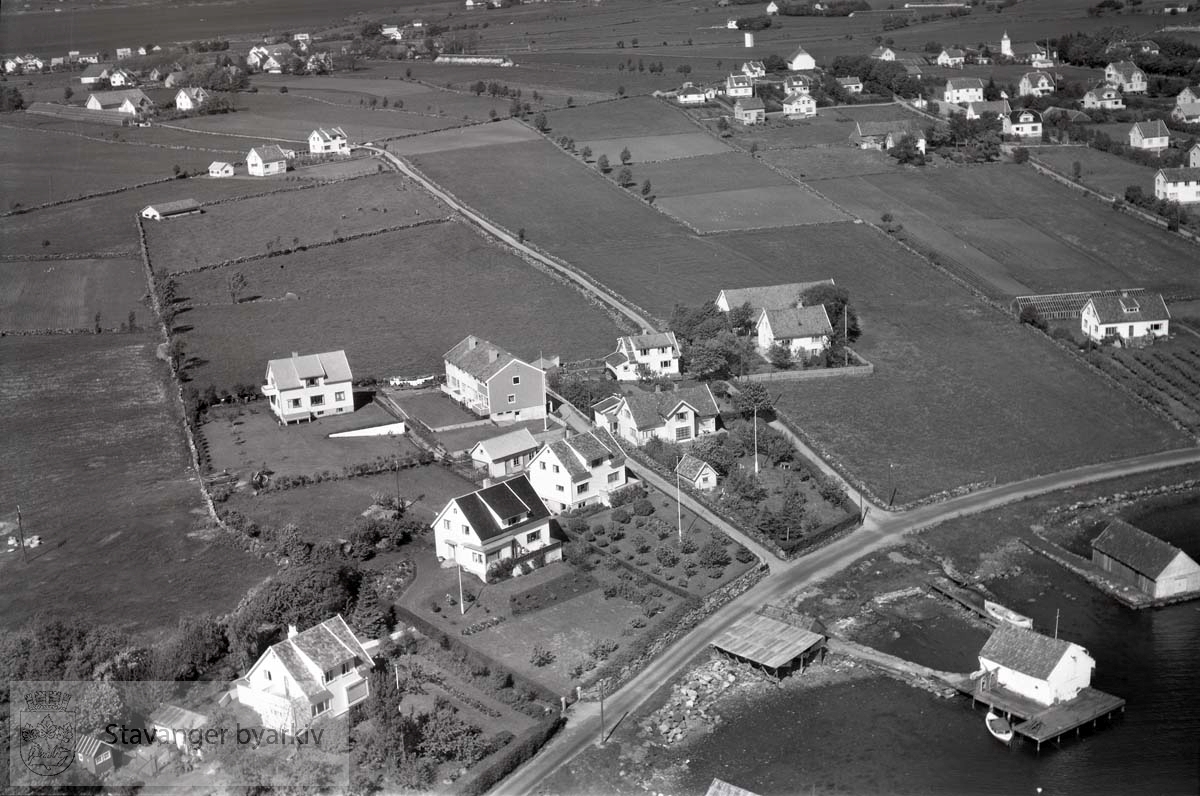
[
  {"x": 1001, "y": 614},
  {"x": 999, "y": 727}
]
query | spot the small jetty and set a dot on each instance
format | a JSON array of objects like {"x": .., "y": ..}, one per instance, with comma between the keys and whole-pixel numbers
[
  {"x": 969, "y": 599},
  {"x": 1040, "y": 723}
]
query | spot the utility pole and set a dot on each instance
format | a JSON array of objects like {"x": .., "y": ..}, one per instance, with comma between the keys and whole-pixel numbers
[
  {"x": 396, "y": 466},
  {"x": 678, "y": 505},
  {"x": 602, "y": 713},
  {"x": 21, "y": 537},
  {"x": 1056, "y": 612},
  {"x": 462, "y": 607},
  {"x": 756, "y": 439}
]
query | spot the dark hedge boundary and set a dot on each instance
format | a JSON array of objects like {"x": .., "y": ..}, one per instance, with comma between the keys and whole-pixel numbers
[{"x": 498, "y": 765}]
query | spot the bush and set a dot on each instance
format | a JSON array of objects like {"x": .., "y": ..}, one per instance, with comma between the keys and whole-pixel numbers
[
  {"x": 602, "y": 649},
  {"x": 616, "y": 534},
  {"x": 744, "y": 555},
  {"x": 666, "y": 556},
  {"x": 621, "y": 516},
  {"x": 643, "y": 507},
  {"x": 641, "y": 545},
  {"x": 626, "y": 495},
  {"x": 688, "y": 547},
  {"x": 714, "y": 554},
  {"x": 541, "y": 656}
]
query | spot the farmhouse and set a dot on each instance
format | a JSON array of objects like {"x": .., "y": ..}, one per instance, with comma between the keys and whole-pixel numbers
[
  {"x": 883, "y": 136},
  {"x": 94, "y": 73},
  {"x": 448, "y": 59},
  {"x": 739, "y": 86},
  {"x": 852, "y": 84},
  {"x": 799, "y": 106},
  {"x": 306, "y": 387},
  {"x": 505, "y": 455},
  {"x": 270, "y": 58},
  {"x": 493, "y": 383},
  {"x": 1035, "y": 84},
  {"x": 1126, "y": 76},
  {"x": 220, "y": 168},
  {"x": 766, "y": 297},
  {"x": 669, "y": 415},
  {"x": 883, "y": 54},
  {"x": 797, "y": 84},
  {"x": 1156, "y": 568},
  {"x": 265, "y": 160},
  {"x": 331, "y": 141},
  {"x": 1153, "y": 136},
  {"x": 506, "y": 522},
  {"x": 1188, "y": 96},
  {"x": 963, "y": 89},
  {"x": 1023, "y": 123},
  {"x": 648, "y": 355},
  {"x": 163, "y": 210},
  {"x": 1028, "y": 664},
  {"x": 1178, "y": 185},
  {"x": 951, "y": 56},
  {"x": 94, "y": 755},
  {"x": 750, "y": 111},
  {"x": 1125, "y": 317},
  {"x": 1104, "y": 98},
  {"x": 691, "y": 96},
  {"x": 754, "y": 69},
  {"x": 131, "y": 101},
  {"x": 696, "y": 472},
  {"x": 801, "y": 61},
  {"x": 320, "y": 672},
  {"x": 189, "y": 99},
  {"x": 578, "y": 471},
  {"x": 804, "y": 331}
]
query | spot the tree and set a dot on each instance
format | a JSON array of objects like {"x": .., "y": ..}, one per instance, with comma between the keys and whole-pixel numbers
[
  {"x": 620, "y": 91},
  {"x": 754, "y": 396},
  {"x": 236, "y": 283},
  {"x": 907, "y": 151},
  {"x": 625, "y": 156},
  {"x": 586, "y": 154},
  {"x": 540, "y": 122},
  {"x": 991, "y": 92},
  {"x": 602, "y": 164},
  {"x": 837, "y": 304},
  {"x": 646, "y": 188},
  {"x": 780, "y": 356},
  {"x": 625, "y": 177},
  {"x": 1020, "y": 155},
  {"x": 1030, "y": 315},
  {"x": 741, "y": 318},
  {"x": 1076, "y": 169},
  {"x": 68, "y": 92}
]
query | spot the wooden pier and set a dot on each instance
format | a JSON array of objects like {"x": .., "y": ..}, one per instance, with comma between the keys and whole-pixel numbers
[
  {"x": 1040, "y": 723},
  {"x": 964, "y": 597}
]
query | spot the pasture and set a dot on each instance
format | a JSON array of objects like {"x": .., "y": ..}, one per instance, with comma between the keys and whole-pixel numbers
[
  {"x": 395, "y": 302},
  {"x": 103, "y": 476},
  {"x": 752, "y": 208},
  {"x": 508, "y": 131},
  {"x": 1098, "y": 170},
  {"x": 961, "y": 393},
  {"x": 824, "y": 162},
  {"x": 651, "y": 148},
  {"x": 262, "y": 224},
  {"x": 1050, "y": 240},
  {"x": 731, "y": 171},
  {"x": 69, "y": 294},
  {"x": 630, "y": 118}
]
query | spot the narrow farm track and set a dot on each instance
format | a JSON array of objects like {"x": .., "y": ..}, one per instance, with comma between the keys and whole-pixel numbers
[
  {"x": 881, "y": 530},
  {"x": 511, "y": 240}
]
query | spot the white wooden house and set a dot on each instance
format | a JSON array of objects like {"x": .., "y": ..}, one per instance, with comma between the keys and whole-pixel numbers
[
  {"x": 131, "y": 101},
  {"x": 219, "y": 168},
  {"x": 797, "y": 84},
  {"x": 1035, "y": 84},
  {"x": 1103, "y": 98},
  {"x": 883, "y": 54},
  {"x": 739, "y": 86},
  {"x": 1178, "y": 185},
  {"x": 493, "y": 383},
  {"x": 94, "y": 73},
  {"x": 1126, "y": 317},
  {"x": 1186, "y": 114},
  {"x": 952, "y": 57},
  {"x": 750, "y": 110},
  {"x": 306, "y": 387},
  {"x": 1039, "y": 668},
  {"x": 189, "y": 99},
  {"x": 852, "y": 84},
  {"x": 1153, "y": 136},
  {"x": 960, "y": 90},
  {"x": 1023, "y": 123},
  {"x": 1126, "y": 76},
  {"x": 799, "y": 106},
  {"x": 500, "y": 524},
  {"x": 754, "y": 69},
  {"x": 696, "y": 472},
  {"x": 1156, "y": 568},
  {"x": 649, "y": 355},
  {"x": 1194, "y": 156},
  {"x": 805, "y": 331},
  {"x": 691, "y": 96},
  {"x": 122, "y": 78},
  {"x": 328, "y": 142},
  {"x": 266, "y": 160},
  {"x": 670, "y": 415},
  {"x": 580, "y": 470},
  {"x": 164, "y": 210},
  {"x": 801, "y": 61},
  {"x": 506, "y": 454}
]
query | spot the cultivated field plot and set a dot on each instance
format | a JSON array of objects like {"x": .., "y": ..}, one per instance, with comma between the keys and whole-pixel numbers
[
  {"x": 418, "y": 292},
  {"x": 824, "y": 162},
  {"x": 274, "y": 222},
  {"x": 37, "y": 167},
  {"x": 731, "y": 171},
  {"x": 631, "y": 118},
  {"x": 339, "y": 169},
  {"x": 1093, "y": 247},
  {"x": 961, "y": 394},
  {"x": 95, "y": 458},
  {"x": 752, "y": 208},
  {"x": 1098, "y": 170},
  {"x": 508, "y": 131},
  {"x": 1167, "y": 375},
  {"x": 830, "y": 126},
  {"x": 555, "y": 86},
  {"x": 652, "y": 148},
  {"x": 69, "y": 294},
  {"x": 363, "y": 82}
]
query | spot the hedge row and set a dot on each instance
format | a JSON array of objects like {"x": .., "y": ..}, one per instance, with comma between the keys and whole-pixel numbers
[{"x": 498, "y": 765}]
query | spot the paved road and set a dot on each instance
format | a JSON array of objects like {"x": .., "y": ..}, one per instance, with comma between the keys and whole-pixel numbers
[
  {"x": 511, "y": 240},
  {"x": 880, "y": 530}
]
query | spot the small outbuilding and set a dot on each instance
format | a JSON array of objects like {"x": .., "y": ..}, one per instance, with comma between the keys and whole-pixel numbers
[
  {"x": 507, "y": 454},
  {"x": 1155, "y": 567},
  {"x": 697, "y": 472},
  {"x": 94, "y": 755},
  {"x": 165, "y": 210},
  {"x": 172, "y": 724},
  {"x": 219, "y": 168},
  {"x": 774, "y": 639}
]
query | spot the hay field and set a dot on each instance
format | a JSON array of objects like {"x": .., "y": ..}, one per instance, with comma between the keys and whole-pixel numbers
[
  {"x": 68, "y": 294},
  {"x": 752, "y": 208}
]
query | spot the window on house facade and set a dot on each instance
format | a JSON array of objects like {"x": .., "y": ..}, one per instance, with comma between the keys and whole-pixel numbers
[
  {"x": 310, "y": 382},
  {"x": 532, "y": 537},
  {"x": 317, "y": 400},
  {"x": 477, "y": 558},
  {"x": 559, "y": 488},
  {"x": 446, "y": 524},
  {"x": 466, "y": 530},
  {"x": 681, "y": 415},
  {"x": 512, "y": 399},
  {"x": 614, "y": 477},
  {"x": 320, "y": 708},
  {"x": 294, "y": 403},
  {"x": 516, "y": 379},
  {"x": 683, "y": 433},
  {"x": 582, "y": 488},
  {"x": 666, "y": 363},
  {"x": 543, "y": 465},
  {"x": 340, "y": 395},
  {"x": 556, "y": 468},
  {"x": 268, "y": 674}
]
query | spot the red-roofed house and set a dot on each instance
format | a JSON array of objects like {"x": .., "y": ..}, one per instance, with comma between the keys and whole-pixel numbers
[
  {"x": 307, "y": 387},
  {"x": 1125, "y": 317},
  {"x": 578, "y": 471},
  {"x": 1156, "y": 568},
  {"x": 1043, "y": 669},
  {"x": 493, "y": 383}
]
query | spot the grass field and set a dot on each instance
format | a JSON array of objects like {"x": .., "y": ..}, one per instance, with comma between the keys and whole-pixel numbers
[
  {"x": 630, "y": 118},
  {"x": 1099, "y": 170},
  {"x": 300, "y": 218},
  {"x": 752, "y": 208},
  {"x": 157, "y": 135},
  {"x": 651, "y": 148},
  {"x": 961, "y": 394},
  {"x": 731, "y": 171},
  {"x": 103, "y": 476},
  {"x": 818, "y": 163},
  {"x": 394, "y": 314},
  {"x": 1049, "y": 240},
  {"x": 831, "y": 126},
  {"x": 67, "y": 294},
  {"x": 508, "y": 131}
]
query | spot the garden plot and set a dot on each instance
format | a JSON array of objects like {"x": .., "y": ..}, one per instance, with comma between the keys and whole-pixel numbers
[
  {"x": 72, "y": 294},
  {"x": 752, "y": 208},
  {"x": 1099, "y": 170}
]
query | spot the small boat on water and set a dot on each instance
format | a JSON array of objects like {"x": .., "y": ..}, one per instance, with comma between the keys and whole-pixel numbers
[
  {"x": 999, "y": 727},
  {"x": 1001, "y": 614}
]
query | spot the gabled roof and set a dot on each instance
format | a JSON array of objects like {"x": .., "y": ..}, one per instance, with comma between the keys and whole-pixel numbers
[
  {"x": 792, "y": 99},
  {"x": 1126, "y": 69},
  {"x": 219, "y": 164},
  {"x": 690, "y": 467},
  {"x": 506, "y": 500},
  {"x": 269, "y": 153},
  {"x": 1152, "y": 129},
  {"x": 1181, "y": 175},
  {"x": 176, "y": 207},
  {"x": 652, "y": 340},
  {"x": 651, "y": 409},
  {"x": 1024, "y": 650},
  {"x": 118, "y": 96},
  {"x": 1130, "y": 309},
  {"x": 998, "y": 107},
  {"x": 578, "y": 452},
  {"x": 605, "y": 405},
  {"x": 1015, "y": 116},
  {"x": 1187, "y": 110},
  {"x": 1143, "y": 553},
  {"x": 475, "y": 356},
  {"x": 772, "y": 297},
  {"x": 750, "y": 104},
  {"x": 177, "y": 718},
  {"x": 878, "y": 51},
  {"x": 1034, "y": 77},
  {"x": 328, "y": 135},
  {"x": 797, "y": 53},
  {"x": 1072, "y": 114},
  {"x": 194, "y": 92},
  {"x": 507, "y": 445},
  {"x": 741, "y": 81},
  {"x": 1103, "y": 92},
  {"x": 308, "y": 655},
  {"x": 89, "y": 745},
  {"x": 794, "y": 322},
  {"x": 290, "y": 373},
  {"x": 850, "y": 80},
  {"x": 96, "y": 70},
  {"x": 963, "y": 83},
  {"x": 953, "y": 52}
]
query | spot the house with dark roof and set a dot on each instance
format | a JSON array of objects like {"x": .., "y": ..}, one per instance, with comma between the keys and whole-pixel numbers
[
  {"x": 766, "y": 297},
  {"x": 883, "y": 136},
  {"x": 580, "y": 470},
  {"x": 174, "y": 725},
  {"x": 650, "y": 355},
  {"x": 1151, "y": 136},
  {"x": 750, "y": 110},
  {"x": 801, "y": 61},
  {"x": 309, "y": 675},
  {"x": 670, "y": 415},
  {"x": 494, "y": 383},
  {"x": 1040, "y": 668},
  {"x": 307, "y": 387},
  {"x": 754, "y": 69},
  {"x": 951, "y": 56},
  {"x": 975, "y": 110},
  {"x": 95, "y": 73},
  {"x": 1156, "y": 568},
  {"x": 1022, "y": 123},
  {"x": 265, "y": 160},
  {"x": 131, "y": 101},
  {"x": 1035, "y": 84},
  {"x": 1104, "y": 98},
  {"x": 696, "y": 472},
  {"x": 739, "y": 86},
  {"x": 1178, "y": 185},
  {"x": 1126, "y": 76},
  {"x": 505, "y": 455},
  {"x": 1125, "y": 317},
  {"x": 805, "y": 331},
  {"x": 328, "y": 142},
  {"x": 799, "y": 106},
  {"x": 503, "y": 524},
  {"x": 883, "y": 54},
  {"x": 163, "y": 210},
  {"x": 851, "y": 83}
]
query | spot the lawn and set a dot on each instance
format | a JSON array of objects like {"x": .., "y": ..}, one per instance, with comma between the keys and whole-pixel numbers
[
  {"x": 434, "y": 408},
  {"x": 1049, "y": 240},
  {"x": 256, "y": 225},
  {"x": 68, "y": 294},
  {"x": 96, "y": 461},
  {"x": 631, "y": 118},
  {"x": 831, "y": 126},
  {"x": 1099, "y": 170},
  {"x": 704, "y": 174},
  {"x": 752, "y": 208},
  {"x": 394, "y": 315},
  {"x": 961, "y": 394},
  {"x": 653, "y": 148}
]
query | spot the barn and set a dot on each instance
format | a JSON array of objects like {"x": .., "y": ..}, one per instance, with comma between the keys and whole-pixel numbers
[
  {"x": 165, "y": 210},
  {"x": 1155, "y": 567}
]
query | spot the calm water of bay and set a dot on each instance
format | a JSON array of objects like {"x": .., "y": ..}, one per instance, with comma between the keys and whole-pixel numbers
[{"x": 880, "y": 736}]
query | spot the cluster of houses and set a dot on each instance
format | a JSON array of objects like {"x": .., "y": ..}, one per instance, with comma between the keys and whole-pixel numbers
[
  {"x": 739, "y": 89},
  {"x": 268, "y": 160}
]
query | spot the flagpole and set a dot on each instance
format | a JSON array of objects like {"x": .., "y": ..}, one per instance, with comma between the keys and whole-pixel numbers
[
  {"x": 462, "y": 607},
  {"x": 678, "y": 505},
  {"x": 21, "y": 536}
]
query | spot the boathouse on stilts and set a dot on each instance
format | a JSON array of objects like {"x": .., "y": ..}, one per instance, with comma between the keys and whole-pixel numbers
[{"x": 775, "y": 640}]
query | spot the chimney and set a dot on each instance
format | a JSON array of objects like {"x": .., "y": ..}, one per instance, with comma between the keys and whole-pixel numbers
[
  {"x": 292, "y": 631},
  {"x": 295, "y": 355},
  {"x": 493, "y": 355},
  {"x": 472, "y": 342}
]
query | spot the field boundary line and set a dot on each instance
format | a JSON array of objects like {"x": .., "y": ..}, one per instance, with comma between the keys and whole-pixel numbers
[
  {"x": 66, "y": 257},
  {"x": 109, "y": 192},
  {"x": 230, "y": 135},
  {"x": 149, "y": 144}
]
